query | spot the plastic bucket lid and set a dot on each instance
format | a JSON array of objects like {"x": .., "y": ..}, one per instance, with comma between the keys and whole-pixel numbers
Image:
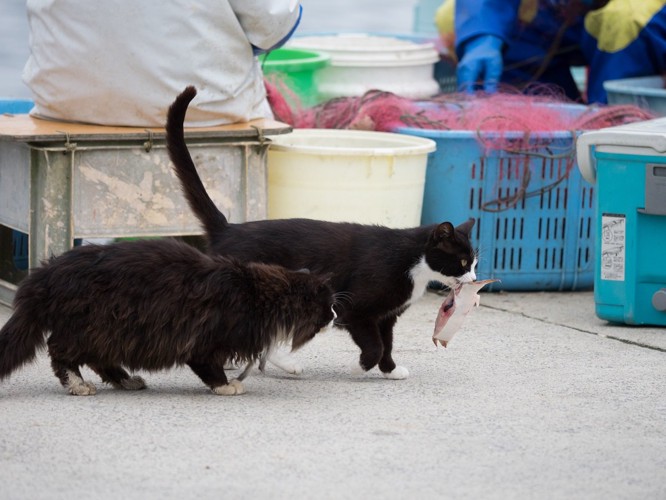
[
  {"x": 351, "y": 142},
  {"x": 361, "y": 49},
  {"x": 292, "y": 60}
]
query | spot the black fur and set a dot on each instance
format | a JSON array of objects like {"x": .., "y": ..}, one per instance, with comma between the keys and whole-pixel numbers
[
  {"x": 154, "y": 304},
  {"x": 370, "y": 264}
]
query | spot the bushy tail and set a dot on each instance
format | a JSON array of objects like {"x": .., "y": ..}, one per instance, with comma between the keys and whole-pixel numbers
[
  {"x": 23, "y": 334},
  {"x": 195, "y": 192}
]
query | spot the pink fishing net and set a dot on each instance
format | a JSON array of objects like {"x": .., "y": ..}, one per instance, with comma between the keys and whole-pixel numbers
[{"x": 498, "y": 113}]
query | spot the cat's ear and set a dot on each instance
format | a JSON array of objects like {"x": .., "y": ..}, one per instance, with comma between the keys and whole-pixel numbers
[
  {"x": 466, "y": 227},
  {"x": 443, "y": 232}
]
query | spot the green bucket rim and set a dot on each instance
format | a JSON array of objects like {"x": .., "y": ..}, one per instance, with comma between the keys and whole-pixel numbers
[{"x": 307, "y": 60}]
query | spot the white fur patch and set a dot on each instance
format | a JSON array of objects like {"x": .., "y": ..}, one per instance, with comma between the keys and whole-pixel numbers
[
  {"x": 284, "y": 361},
  {"x": 422, "y": 274}
]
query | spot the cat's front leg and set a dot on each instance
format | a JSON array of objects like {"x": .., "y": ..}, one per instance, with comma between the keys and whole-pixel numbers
[{"x": 376, "y": 342}]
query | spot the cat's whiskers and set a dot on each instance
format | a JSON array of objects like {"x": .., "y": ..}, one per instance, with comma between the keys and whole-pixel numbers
[{"x": 343, "y": 298}]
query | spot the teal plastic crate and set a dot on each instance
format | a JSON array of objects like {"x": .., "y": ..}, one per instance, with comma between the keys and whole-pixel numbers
[
  {"x": 533, "y": 208},
  {"x": 628, "y": 165}
]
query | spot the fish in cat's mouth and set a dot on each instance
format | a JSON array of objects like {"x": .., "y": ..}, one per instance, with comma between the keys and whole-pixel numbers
[{"x": 456, "y": 306}]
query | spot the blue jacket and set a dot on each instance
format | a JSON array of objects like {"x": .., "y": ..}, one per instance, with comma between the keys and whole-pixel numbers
[{"x": 623, "y": 39}]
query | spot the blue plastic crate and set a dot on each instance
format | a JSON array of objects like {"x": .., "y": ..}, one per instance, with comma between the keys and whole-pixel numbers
[
  {"x": 19, "y": 240},
  {"x": 15, "y": 106},
  {"x": 540, "y": 240}
]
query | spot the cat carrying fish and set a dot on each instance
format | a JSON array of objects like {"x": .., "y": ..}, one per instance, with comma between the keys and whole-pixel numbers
[
  {"x": 378, "y": 271},
  {"x": 154, "y": 304}
]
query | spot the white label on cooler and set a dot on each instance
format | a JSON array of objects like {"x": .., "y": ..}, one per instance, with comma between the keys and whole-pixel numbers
[{"x": 613, "y": 244}]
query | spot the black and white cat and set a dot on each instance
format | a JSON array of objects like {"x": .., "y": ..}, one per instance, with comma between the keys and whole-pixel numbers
[
  {"x": 379, "y": 271},
  {"x": 154, "y": 304}
]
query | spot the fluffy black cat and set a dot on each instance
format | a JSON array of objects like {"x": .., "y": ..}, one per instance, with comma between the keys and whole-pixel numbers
[
  {"x": 380, "y": 271},
  {"x": 154, "y": 304}
]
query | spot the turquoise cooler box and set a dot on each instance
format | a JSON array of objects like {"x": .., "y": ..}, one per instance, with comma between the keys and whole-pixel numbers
[{"x": 628, "y": 164}]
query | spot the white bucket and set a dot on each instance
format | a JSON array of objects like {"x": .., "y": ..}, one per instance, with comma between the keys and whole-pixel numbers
[
  {"x": 362, "y": 62},
  {"x": 348, "y": 176}
]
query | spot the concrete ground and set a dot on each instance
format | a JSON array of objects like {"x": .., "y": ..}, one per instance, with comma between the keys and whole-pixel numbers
[{"x": 534, "y": 398}]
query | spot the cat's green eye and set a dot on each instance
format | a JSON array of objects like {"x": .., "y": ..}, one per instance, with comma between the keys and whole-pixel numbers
[{"x": 463, "y": 262}]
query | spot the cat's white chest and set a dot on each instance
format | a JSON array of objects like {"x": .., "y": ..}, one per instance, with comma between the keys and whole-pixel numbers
[{"x": 421, "y": 274}]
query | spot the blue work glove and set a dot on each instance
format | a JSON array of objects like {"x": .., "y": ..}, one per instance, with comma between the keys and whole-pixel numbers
[{"x": 480, "y": 64}]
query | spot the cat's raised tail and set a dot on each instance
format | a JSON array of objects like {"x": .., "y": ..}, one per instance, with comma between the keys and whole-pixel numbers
[
  {"x": 23, "y": 334},
  {"x": 197, "y": 197}
]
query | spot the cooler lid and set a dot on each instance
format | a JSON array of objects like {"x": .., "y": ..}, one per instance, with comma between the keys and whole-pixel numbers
[{"x": 640, "y": 138}]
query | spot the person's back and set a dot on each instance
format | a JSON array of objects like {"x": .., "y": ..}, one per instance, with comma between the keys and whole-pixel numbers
[
  {"x": 519, "y": 42},
  {"x": 123, "y": 62}
]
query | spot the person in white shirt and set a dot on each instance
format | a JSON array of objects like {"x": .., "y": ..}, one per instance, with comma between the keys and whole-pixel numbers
[{"x": 123, "y": 62}]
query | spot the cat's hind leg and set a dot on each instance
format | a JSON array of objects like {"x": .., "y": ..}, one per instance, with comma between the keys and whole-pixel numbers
[
  {"x": 366, "y": 335},
  {"x": 71, "y": 379},
  {"x": 119, "y": 378},
  {"x": 66, "y": 368},
  {"x": 386, "y": 363},
  {"x": 211, "y": 372}
]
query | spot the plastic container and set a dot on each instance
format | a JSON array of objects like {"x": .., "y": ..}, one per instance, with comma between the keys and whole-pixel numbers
[
  {"x": 647, "y": 92},
  {"x": 15, "y": 106},
  {"x": 628, "y": 165},
  {"x": 19, "y": 239},
  {"x": 541, "y": 241},
  {"x": 362, "y": 62},
  {"x": 348, "y": 176},
  {"x": 297, "y": 69}
]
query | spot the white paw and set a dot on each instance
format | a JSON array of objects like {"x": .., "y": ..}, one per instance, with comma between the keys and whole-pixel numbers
[
  {"x": 134, "y": 383},
  {"x": 233, "y": 388},
  {"x": 285, "y": 362},
  {"x": 398, "y": 373}
]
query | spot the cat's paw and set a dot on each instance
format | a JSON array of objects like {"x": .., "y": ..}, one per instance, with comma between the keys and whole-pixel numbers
[
  {"x": 285, "y": 362},
  {"x": 82, "y": 388},
  {"x": 398, "y": 373},
  {"x": 134, "y": 383},
  {"x": 233, "y": 388}
]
